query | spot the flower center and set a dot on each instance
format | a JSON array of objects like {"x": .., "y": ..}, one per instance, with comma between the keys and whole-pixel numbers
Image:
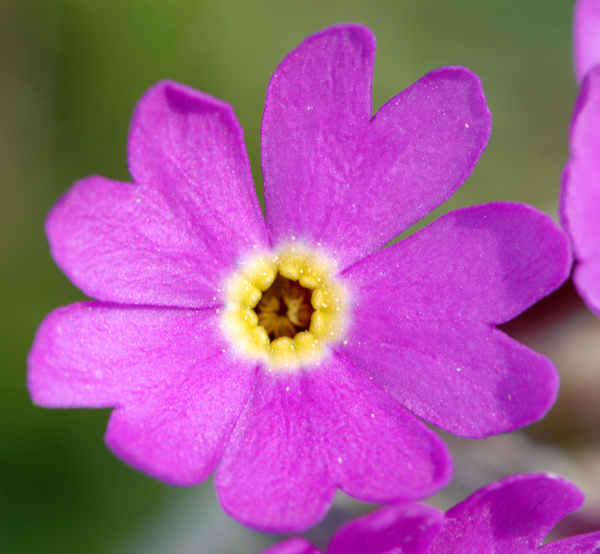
[{"x": 285, "y": 308}]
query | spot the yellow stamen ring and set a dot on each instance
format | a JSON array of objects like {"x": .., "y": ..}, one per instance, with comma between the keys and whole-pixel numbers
[{"x": 244, "y": 289}]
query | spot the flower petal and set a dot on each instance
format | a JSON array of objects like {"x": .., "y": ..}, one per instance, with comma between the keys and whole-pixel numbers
[
  {"x": 579, "y": 544},
  {"x": 484, "y": 263},
  {"x": 587, "y": 278},
  {"x": 274, "y": 475},
  {"x": 177, "y": 394},
  {"x": 170, "y": 238},
  {"x": 296, "y": 545},
  {"x": 404, "y": 529},
  {"x": 422, "y": 323},
  {"x": 334, "y": 175},
  {"x": 580, "y": 196},
  {"x": 586, "y": 36},
  {"x": 513, "y": 515},
  {"x": 305, "y": 433},
  {"x": 377, "y": 451}
]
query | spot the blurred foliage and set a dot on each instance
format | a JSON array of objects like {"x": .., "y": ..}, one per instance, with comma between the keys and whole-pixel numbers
[{"x": 70, "y": 74}]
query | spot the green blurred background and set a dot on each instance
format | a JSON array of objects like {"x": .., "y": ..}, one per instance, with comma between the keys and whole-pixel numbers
[{"x": 70, "y": 74}]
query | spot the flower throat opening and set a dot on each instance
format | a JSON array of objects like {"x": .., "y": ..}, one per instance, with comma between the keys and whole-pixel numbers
[{"x": 284, "y": 309}]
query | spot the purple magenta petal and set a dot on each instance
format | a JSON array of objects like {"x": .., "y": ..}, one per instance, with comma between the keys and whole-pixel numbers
[
  {"x": 405, "y": 529},
  {"x": 172, "y": 237},
  {"x": 580, "y": 544},
  {"x": 423, "y": 320},
  {"x": 377, "y": 451},
  {"x": 334, "y": 175},
  {"x": 178, "y": 395},
  {"x": 587, "y": 279},
  {"x": 296, "y": 545},
  {"x": 274, "y": 475},
  {"x": 580, "y": 196},
  {"x": 513, "y": 515},
  {"x": 586, "y": 36},
  {"x": 304, "y": 433}
]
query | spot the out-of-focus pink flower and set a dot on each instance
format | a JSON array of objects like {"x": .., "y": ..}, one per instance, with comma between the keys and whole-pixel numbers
[
  {"x": 580, "y": 194},
  {"x": 512, "y": 516}
]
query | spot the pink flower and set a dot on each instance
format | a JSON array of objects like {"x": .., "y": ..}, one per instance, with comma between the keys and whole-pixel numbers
[
  {"x": 288, "y": 352},
  {"x": 580, "y": 194},
  {"x": 512, "y": 516}
]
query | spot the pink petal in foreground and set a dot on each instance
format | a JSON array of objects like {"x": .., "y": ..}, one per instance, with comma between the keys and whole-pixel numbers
[
  {"x": 423, "y": 320},
  {"x": 586, "y": 36},
  {"x": 177, "y": 394},
  {"x": 171, "y": 238},
  {"x": 274, "y": 474},
  {"x": 377, "y": 451},
  {"x": 335, "y": 175},
  {"x": 304, "y": 434},
  {"x": 580, "y": 195}
]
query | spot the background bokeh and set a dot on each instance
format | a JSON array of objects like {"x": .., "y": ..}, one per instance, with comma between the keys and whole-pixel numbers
[{"x": 70, "y": 74}]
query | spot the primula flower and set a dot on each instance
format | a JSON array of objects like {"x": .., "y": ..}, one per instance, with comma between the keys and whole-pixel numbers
[
  {"x": 580, "y": 194},
  {"x": 287, "y": 352},
  {"x": 512, "y": 516}
]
